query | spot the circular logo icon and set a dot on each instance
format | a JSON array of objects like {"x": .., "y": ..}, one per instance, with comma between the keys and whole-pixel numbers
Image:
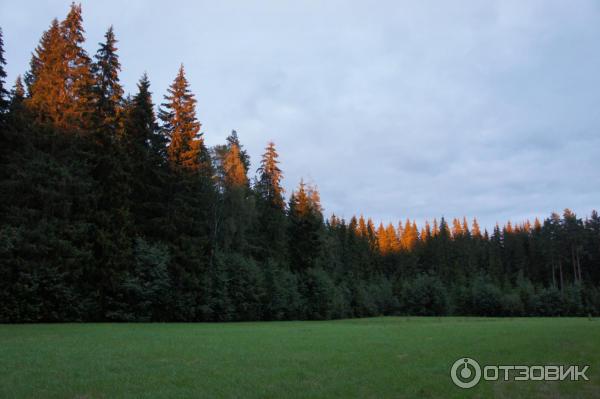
[{"x": 465, "y": 372}]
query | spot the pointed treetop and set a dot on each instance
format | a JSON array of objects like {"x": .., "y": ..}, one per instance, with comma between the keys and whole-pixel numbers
[
  {"x": 19, "y": 89},
  {"x": 140, "y": 120},
  {"x": 465, "y": 226},
  {"x": 109, "y": 92},
  {"x": 60, "y": 82},
  {"x": 186, "y": 149},
  {"x": 410, "y": 237},
  {"x": 234, "y": 139},
  {"x": 18, "y": 92},
  {"x": 74, "y": 21},
  {"x": 73, "y": 32},
  {"x": 46, "y": 78},
  {"x": 475, "y": 229},
  {"x": 270, "y": 177},
  {"x": 363, "y": 231},
  {"x": 305, "y": 201},
  {"x": 233, "y": 167},
  {"x": 456, "y": 228},
  {"x": 50, "y": 38}
]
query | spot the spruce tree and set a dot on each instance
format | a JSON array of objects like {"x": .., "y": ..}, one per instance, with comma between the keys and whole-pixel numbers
[
  {"x": 392, "y": 236},
  {"x": 383, "y": 244},
  {"x": 78, "y": 79},
  {"x": 46, "y": 79},
  {"x": 410, "y": 237},
  {"x": 191, "y": 213},
  {"x": 305, "y": 229},
  {"x": 146, "y": 150},
  {"x": 108, "y": 90},
  {"x": 233, "y": 139},
  {"x": 362, "y": 227},
  {"x": 186, "y": 150},
  {"x": 269, "y": 180},
  {"x": 140, "y": 135},
  {"x": 60, "y": 80},
  {"x": 271, "y": 240},
  {"x": 475, "y": 230},
  {"x": 16, "y": 119},
  {"x": 234, "y": 169},
  {"x": 18, "y": 92},
  {"x": 236, "y": 214}
]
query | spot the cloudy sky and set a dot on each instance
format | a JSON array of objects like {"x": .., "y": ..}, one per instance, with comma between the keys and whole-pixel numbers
[{"x": 394, "y": 109}]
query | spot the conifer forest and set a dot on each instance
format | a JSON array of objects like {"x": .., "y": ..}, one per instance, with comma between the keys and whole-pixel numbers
[{"x": 113, "y": 208}]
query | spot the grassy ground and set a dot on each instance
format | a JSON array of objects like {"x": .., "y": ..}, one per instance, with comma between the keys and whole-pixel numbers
[{"x": 369, "y": 358}]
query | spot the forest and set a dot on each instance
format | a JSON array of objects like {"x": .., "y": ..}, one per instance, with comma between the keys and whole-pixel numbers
[{"x": 113, "y": 208}]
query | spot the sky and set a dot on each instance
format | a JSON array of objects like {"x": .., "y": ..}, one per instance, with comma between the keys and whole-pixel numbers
[{"x": 393, "y": 109}]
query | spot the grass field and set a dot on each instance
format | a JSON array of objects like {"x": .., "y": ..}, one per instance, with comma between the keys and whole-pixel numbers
[{"x": 392, "y": 357}]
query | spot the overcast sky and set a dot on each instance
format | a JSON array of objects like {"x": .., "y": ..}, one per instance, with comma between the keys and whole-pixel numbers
[{"x": 394, "y": 109}]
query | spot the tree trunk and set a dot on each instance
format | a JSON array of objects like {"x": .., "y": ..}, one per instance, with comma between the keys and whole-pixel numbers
[
  {"x": 574, "y": 264},
  {"x": 560, "y": 273},
  {"x": 553, "y": 274},
  {"x": 578, "y": 264}
]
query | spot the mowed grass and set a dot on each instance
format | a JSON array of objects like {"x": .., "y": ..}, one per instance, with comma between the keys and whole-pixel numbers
[{"x": 390, "y": 357}]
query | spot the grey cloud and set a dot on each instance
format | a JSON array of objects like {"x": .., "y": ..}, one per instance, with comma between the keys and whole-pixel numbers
[{"x": 394, "y": 109}]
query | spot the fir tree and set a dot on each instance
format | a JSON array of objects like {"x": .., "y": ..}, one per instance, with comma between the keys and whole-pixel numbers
[
  {"x": 234, "y": 169},
  {"x": 476, "y": 232},
  {"x": 108, "y": 90},
  {"x": 191, "y": 213},
  {"x": 306, "y": 222},
  {"x": 78, "y": 78},
  {"x": 392, "y": 238},
  {"x": 60, "y": 81},
  {"x": 237, "y": 210},
  {"x": 186, "y": 150},
  {"x": 18, "y": 93},
  {"x": 146, "y": 150},
  {"x": 233, "y": 139},
  {"x": 383, "y": 243},
  {"x": 16, "y": 118},
  {"x": 362, "y": 227},
  {"x": 269, "y": 180},
  {"x": 46, "y": 79},
  {"x": 271, "y": 239},
  {"x": 140, "y": 128},
  {"x": 410, "y": 237}
]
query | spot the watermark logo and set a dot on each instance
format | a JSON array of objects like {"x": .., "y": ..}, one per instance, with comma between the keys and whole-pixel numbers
[{"x": 466, "y": 373}]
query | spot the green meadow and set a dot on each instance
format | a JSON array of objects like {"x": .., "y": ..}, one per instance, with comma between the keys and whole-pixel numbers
[{"x": 389, "y": 357}]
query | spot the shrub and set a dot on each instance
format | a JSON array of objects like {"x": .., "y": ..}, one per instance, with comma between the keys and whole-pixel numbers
[
  {"x": 486, "y": 298},
  {"x": 424, "y": 296}
]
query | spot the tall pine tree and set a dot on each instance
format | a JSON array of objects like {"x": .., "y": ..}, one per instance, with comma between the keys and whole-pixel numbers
[
  {"x": 305, "y": 230},
  {"x": 186, "y": 150},
  {"x": 46, "y": 78},
  {"x": 60, "y": 81},
  {"x": 146, "y": 149},
  {"x": 271, "y": 241},
  {"x": 108, "y": 90},
  {"x": 78, "y": 79},
  {"x": 191, "y": 209}
]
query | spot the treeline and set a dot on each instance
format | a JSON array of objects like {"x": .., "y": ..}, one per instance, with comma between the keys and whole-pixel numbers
[{"x": 110, "y": 212}]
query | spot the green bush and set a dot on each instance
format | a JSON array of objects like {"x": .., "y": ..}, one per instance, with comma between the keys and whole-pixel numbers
[{"x": 424, "y": 296}]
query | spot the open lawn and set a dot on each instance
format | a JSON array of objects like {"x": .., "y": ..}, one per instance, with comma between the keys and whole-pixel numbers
[{"x": 391, "y": 357}]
